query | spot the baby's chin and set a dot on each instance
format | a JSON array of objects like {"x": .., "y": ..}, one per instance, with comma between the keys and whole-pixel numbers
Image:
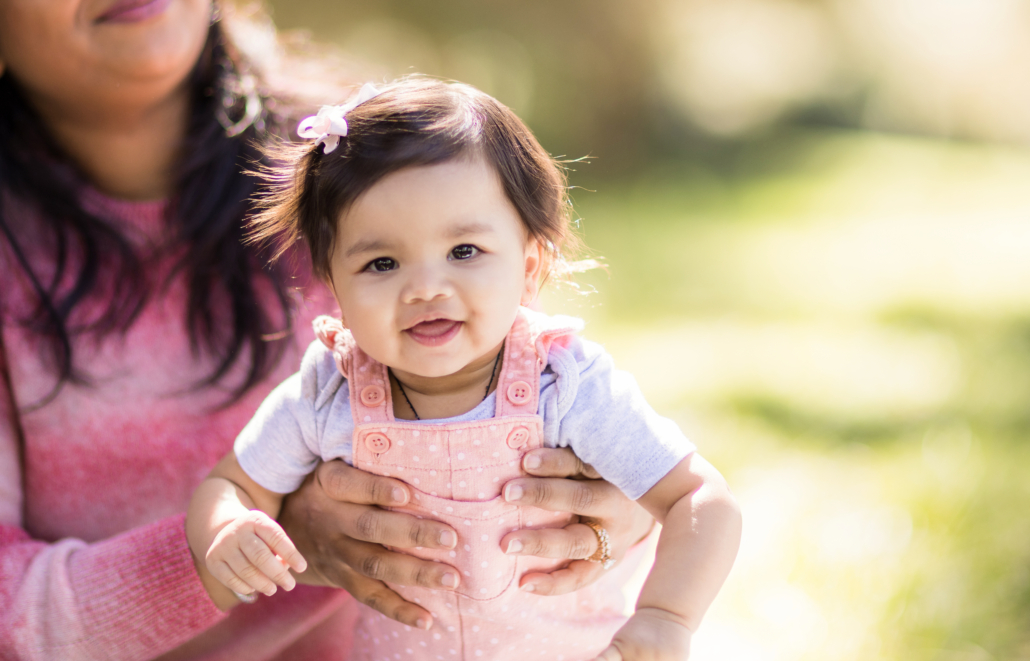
[
  {"x": 432, "y": 370},
  {"x": 438, "y": 367}
]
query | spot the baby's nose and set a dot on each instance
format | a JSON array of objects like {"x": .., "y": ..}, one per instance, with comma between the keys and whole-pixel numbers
[{"x": 427, "y": 284}]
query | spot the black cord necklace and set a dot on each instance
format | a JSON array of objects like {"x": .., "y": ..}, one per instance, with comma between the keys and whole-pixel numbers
[{"x": 485, "y": 395}]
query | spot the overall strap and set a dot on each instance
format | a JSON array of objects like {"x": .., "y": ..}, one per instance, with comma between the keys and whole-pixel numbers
[
  {"x": 518, "y": 386},
  {"x": 370, "y": 398},
  {"x": 525, "y": 356}
]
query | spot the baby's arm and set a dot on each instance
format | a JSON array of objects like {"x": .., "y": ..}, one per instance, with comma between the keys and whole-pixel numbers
[
  {"x": 231, "y": 529},
  {"x": 699, "y": 541}
]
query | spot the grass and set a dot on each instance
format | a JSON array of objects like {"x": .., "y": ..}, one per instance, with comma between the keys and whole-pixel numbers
[{"x": 847, "y": 336}]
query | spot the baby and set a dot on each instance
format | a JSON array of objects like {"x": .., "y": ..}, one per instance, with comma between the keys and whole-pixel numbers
[{"x": 434, "y": 215}]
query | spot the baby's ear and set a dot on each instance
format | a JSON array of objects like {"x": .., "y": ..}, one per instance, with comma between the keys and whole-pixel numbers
[
  {"x": 328, "y": 281},
  {"x": 535, "y": 262}
]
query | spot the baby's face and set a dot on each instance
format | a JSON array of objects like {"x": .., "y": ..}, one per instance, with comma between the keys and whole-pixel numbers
[{"x": 430, "y": 266}]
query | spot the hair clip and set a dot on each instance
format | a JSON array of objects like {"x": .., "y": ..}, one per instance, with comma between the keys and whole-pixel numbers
[{"x": 330, "y": 124}]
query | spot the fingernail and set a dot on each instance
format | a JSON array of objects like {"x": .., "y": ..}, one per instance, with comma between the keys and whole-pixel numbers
[
  {"x": 528, "y": 587},
  {"x": 513, "y": 492},
  {"x": 448, "y": 539},
  {"x": 449, "y": 580},
  {"x": 422, "y": 624},
  {"x": 514, "y": 546},
  {"x": 532, "y": 461},
  {"x": 397, "y": 494}
]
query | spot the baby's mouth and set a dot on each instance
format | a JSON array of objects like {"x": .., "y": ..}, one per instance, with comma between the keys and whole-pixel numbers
[{"x": 434, "y": 333}]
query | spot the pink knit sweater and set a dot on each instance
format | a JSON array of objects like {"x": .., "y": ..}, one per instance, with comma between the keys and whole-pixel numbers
[{"x": 99, "y": 568}]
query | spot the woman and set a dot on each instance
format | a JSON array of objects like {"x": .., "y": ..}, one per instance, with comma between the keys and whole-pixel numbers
[{"x": 138, "y": 337}]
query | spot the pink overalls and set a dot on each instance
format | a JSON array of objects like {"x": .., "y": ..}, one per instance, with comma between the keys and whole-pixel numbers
[{"x": 457, "y": 471}]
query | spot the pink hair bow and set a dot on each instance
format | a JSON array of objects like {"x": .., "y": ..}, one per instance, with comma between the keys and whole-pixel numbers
[{"x": 330, "y": 124}]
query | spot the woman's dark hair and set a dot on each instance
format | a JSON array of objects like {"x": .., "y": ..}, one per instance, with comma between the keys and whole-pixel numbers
[
  {"x": 97, "y": 281},
  {"x": 414, "y": 121}
]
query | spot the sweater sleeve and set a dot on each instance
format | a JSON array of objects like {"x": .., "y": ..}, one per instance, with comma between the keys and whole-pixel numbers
[{"x": 133, "y": 596}]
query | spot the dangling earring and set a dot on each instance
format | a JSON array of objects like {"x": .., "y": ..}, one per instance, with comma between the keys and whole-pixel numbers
[{"x": 216, "y": 12}]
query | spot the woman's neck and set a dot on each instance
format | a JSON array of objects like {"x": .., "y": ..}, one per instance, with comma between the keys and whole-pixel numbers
[
  {"x": 129, "y": 153},
  {"x": 432, "y": 398}
]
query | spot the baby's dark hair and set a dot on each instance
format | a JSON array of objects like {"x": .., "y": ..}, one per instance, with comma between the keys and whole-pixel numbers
[{"x": 414, "y": 121}]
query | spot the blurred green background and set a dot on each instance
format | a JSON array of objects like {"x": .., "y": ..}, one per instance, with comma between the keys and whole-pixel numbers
[{"x": 815, "y": 217}]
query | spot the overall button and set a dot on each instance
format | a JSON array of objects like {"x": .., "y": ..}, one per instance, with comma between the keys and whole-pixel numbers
[
  {"x": 518, "y": 437},
  {"x": 373, "y": 396},
  {"x": 518, "y": 392},
  {"x": 377, "y": 442}
]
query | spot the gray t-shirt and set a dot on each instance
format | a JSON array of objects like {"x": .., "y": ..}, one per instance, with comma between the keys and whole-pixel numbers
[{"x": 587, "y": 405}]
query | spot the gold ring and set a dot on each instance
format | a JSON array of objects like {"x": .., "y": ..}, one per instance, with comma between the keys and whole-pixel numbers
[{"x": 603, "y": 554}]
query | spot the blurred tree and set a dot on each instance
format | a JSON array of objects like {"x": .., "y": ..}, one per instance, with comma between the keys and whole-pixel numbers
[
  {"x": 579, "y": 71},
  {"x": 674, "y": 79}
]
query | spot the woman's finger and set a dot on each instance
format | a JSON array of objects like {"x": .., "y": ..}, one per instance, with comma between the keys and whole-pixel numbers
[
  {"x": 556, "y": 462},
  {"x": 330, "y": 536},
  {"x": 592, "y": 498},
  {"x": 343, "y": 501},
  {"x": 576, "y": 575},
  {"x": 371, "y": 524},
  {"x": 375, "y": 594},
  {"x": 376, "y": 562},
  {"x": 350, "y": 485},
  {"x": 573, "y": 542}
]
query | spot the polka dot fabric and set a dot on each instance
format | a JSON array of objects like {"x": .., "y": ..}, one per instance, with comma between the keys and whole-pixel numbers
[{"x": 457, "y": 472}]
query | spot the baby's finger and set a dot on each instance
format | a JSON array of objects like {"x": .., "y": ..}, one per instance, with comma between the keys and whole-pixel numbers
[
  {"x": 265, "y": 561},
  {"x": 227, "y": 577},
  {"x": 249, "y": 573},
  {"x": 573, "y": 542},
  {"x": 577, "y": 574},
  {"x": 610, "y": 654},
  {"x": 556, "y": 462},
  {"x": 280, "y": 544}
]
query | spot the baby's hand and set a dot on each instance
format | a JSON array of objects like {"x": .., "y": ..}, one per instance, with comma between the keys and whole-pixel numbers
[
  {"x": 253, "y": 553},
  {"x": 652, "y": 634}
]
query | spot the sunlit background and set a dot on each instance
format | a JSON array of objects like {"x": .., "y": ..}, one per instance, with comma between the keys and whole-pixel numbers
[{"x": 815, "y": 219}]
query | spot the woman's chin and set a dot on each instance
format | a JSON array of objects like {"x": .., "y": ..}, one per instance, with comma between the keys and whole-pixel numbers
[{"x": 163, "y": 45}]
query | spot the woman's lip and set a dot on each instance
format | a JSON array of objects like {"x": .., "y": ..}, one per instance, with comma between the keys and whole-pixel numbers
[
  {"x": 434, "y": 333},
  {"x": 132, "y": 11}
]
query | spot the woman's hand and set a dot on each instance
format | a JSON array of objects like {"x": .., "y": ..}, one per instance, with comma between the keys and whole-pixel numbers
[
  {"x": 586, "y": 495},
  {"x": 334, "y": 521}
]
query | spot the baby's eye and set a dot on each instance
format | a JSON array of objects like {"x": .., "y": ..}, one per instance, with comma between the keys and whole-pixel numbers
[
  {"x": 464, "y": 251},
  {"x": 382, "y": 264}
]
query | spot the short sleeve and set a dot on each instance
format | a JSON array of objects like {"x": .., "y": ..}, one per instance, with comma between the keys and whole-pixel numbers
[
  {"x": 282, "y": 442},
  {"x": 600, "y": 413}
]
